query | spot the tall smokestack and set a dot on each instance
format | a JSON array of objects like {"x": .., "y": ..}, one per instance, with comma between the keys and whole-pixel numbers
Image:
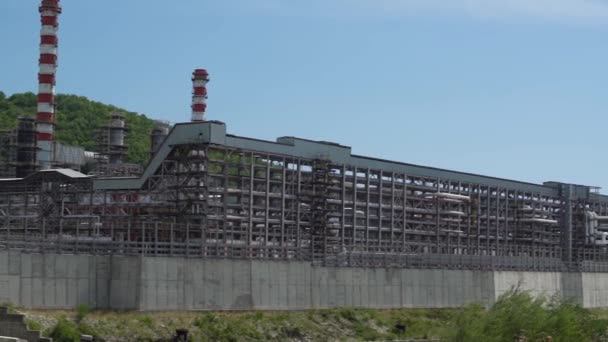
[
  {"x": 45, "y": 118},
  {"x": 200, "y": 77}
]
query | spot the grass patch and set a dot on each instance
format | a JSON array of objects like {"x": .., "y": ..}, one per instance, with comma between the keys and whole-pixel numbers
[
  {"x": 33, "y": 325},
  {"x": 82, "y": 311}
]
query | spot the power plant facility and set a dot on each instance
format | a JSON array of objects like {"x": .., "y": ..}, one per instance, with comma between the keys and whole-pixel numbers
[{"x": 216, "y": 221}]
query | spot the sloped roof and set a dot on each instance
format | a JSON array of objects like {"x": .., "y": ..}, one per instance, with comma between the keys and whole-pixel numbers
[{"x": 66, "y": 172}]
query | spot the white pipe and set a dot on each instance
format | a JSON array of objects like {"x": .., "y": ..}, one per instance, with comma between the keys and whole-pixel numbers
[
  {"x": 591, "y": 225},
  {"x": 454, "y": 212},
  {"x": 451, "y": 196},
  {"x": 539, "y": 220}
]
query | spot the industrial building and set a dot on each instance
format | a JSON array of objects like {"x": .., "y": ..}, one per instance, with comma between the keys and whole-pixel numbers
[{"x": 209, "y": 195}]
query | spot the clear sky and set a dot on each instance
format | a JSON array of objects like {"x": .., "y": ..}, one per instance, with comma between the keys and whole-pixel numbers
[{"x": 508, "y": 88}]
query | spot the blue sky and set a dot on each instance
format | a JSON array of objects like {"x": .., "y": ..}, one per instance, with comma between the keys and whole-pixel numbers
[{"x": 508, "y": 88}]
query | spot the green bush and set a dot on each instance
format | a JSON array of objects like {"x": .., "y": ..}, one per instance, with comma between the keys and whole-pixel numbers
[
  {"x": 33, "y": 325},
  {"x": 146, "y": 320},
  {"x": 348, "y": 314},
  {"x": 85, "y": 329},
  {"x": 65, "y": 331},
  {"x": 69, "y": 331},
  {"x": 213, "y": 328},
  {"x": 82, "y": 311},
  {"x": 517, "y": 316}
]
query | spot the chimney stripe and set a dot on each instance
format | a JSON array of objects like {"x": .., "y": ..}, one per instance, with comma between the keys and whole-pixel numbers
[
  {"x": 45, "y": 117},
  {"x": 49, "y": 20},
  {"x": 43, "y": 139},
  {"x": 200, "y": 78},
  {"x": 46, "y": 79}
]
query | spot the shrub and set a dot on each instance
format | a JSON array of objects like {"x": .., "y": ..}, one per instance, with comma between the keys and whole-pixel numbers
[
  {"x": 212, "y": 328},
  {"x": 366, "y": 333},
  {"x": 33, "y": 325},
  {"x": 348, "y": 314},
  {"x": 85, "y": 329},
  {"x": 519, "y": 316},
  {"x": 65, "y": 331},
  {"x": 82, "y": 311},
  {"x": 146, "y": 320},
  {"x": 69, "y": 331}
]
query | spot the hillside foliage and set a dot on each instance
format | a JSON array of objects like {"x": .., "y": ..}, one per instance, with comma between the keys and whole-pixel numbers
[{"x": 77, "y": 119}]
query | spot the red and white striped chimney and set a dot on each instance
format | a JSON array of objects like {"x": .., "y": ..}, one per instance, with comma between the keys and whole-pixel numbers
[
  {"x": 45, "y": 118},
  {"x": 200, "y": 77}
]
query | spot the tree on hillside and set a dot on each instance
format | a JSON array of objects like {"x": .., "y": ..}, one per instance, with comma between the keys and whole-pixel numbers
[{"x": 77, "y": 119}]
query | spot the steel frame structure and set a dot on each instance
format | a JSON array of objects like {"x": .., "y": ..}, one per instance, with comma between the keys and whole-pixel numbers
[{"x": 212, "y": 195}]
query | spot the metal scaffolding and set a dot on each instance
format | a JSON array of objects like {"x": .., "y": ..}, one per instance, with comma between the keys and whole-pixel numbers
[
  {"x": 18, "y": 149},
  {"x": 112, "y": 149},
  {"x": 236, "y": 199},
  {"x": 7, "y": 153}
]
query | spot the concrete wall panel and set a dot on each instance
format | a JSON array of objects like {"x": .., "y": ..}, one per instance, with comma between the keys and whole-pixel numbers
[
  {"x": 124, "y": 284},
  {"x": 572, "y": 287},
  {"x": 213, "y": 287},
  {"x": 260, "y": 284},
  {"x": 594, "y": 290},
  {"x": 242, "y": 298},
  {"x": 537, "y": 283},
  {"x": 10, "y": 286},
  {"x": 100, "y": 278}
]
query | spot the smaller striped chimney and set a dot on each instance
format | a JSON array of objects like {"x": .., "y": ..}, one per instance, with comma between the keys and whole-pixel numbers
[{"x": 200, "y": 78}]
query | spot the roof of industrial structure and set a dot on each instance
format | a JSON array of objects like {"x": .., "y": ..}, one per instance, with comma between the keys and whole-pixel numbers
[
  {"x": 214, "y": 132},
  {"x": 66, "y": 173}
]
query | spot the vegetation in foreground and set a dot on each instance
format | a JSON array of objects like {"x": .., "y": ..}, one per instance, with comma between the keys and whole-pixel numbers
[{"x": 516, "y": 316}]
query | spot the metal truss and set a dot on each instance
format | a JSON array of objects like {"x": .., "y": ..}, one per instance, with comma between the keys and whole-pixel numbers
[{"x": 215, "y": 201}]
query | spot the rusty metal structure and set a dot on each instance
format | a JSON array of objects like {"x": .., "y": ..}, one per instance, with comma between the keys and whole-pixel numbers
[{"x": 209, "y": 194}]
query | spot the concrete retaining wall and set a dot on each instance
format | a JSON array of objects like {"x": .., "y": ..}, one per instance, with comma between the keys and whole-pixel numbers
[
  {"x": 175, "y": 283},
  {"x": 147, "y": 283},
  {"x": 52, "y": 281}
]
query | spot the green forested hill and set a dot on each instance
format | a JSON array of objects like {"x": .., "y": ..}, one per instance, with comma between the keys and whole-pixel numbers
[{"x": 77, "y": 119}]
